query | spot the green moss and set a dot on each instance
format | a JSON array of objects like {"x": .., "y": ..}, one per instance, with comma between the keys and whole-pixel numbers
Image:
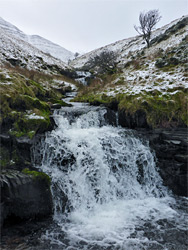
[
  {"x": 61, "y": 102},
  {"x": 16, "y": 99},
  {"x": 161, "y": 110},
  {"x": 37, "y": 175},
  {"x": 95, "y": 98},
  {"x": 27, "y": 92},
  {"x": 24, "y": 126},
  {"x": 26, "y": 102},
  {"x": 37, "y": 88}
]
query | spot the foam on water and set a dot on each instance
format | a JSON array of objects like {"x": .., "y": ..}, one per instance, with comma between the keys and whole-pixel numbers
[{"x": 109, "y": 177}]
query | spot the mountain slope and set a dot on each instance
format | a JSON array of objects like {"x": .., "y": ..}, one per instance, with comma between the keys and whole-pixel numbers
[
  {"x": 11, "y": 29},
  {"x": 50, "y": 48},
  {"x": 124, "y": 47},
  {"x": 20, "y": 53},
  {"x": 39, "y": 42},
  {"x": 148, "y": 86}
]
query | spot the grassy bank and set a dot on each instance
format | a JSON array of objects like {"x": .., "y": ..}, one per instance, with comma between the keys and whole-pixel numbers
[{"x": 26, "y": 101}]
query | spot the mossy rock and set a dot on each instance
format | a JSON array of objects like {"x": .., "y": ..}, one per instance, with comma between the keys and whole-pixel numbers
[
  {"x": 60, "y": 102},
  {"x": 23, "y": 125},
  {"x": 161, "y": 110},
  {"x": 94, "y": 99},
  {"x": 37, "y": 175},
  {"x": 26, "y": 102}
]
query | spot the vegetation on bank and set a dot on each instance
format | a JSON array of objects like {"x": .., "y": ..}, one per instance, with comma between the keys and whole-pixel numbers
[
  {"x": 26, "y": 101},
  {"x": 168, "y": 110}
]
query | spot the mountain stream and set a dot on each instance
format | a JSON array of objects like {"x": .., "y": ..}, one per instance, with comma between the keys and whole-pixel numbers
[
  {"x": 106, "y": 188},
  {"x": 107, "y": 191}
]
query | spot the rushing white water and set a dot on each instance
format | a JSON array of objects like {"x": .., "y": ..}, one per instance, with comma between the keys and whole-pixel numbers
[{"x": 109, "y": 178}]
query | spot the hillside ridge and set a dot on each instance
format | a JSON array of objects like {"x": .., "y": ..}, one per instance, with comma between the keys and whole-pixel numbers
[
  {"x": 39, "y": 42},
  {"x": 124, "y": 46},
  {"x": 148, "y": 86}
]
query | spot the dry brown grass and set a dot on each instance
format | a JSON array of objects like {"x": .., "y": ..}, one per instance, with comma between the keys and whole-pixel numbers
[{"x": 37, "y": 76}]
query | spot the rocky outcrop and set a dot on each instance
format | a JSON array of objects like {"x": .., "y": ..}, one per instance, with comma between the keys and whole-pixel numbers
[
  {"x": 171, "y": 149},
  {"x": 24, "y": 195},
  {"x": 135, "y": 120},
  {"x": 15, "y": 152}
]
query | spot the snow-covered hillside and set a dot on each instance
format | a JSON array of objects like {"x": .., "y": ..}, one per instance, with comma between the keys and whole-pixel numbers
[
  {"x": 51, "y": 48},
  {"x": 39, "y": 42},
  {"x": 125, "y": 47},
  {"x": 20, "y": 53},
  {"x": 12, "y": 30},
  {"x": 150, "y": 83}
]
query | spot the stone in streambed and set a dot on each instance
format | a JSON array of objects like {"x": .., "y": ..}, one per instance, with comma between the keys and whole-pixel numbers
[{"x": 24, "y": 195}]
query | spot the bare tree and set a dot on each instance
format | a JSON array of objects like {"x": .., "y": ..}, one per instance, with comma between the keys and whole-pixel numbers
[
  {"x": 103, "y": 62},
  {"x": 76, "y": 54},
  {"x": 147, "y": 21}
]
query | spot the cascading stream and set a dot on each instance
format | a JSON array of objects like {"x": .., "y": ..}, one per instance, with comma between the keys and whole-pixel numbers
[{"x": 108, "y": 178}]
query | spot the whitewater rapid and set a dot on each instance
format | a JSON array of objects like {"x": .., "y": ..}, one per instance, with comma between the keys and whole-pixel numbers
[{"x": 105, "y": 183}]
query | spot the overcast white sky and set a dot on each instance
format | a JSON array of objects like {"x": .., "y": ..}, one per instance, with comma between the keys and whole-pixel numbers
[{"x": 83, "y": 25}]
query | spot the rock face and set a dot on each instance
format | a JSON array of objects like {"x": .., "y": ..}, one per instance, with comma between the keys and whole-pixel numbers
[
  {"x": 136, "y": 120},
  {"x": 15, "y": 152},
  {"x": 171, "y": 148},
  {"x": 24, "y": 196}
]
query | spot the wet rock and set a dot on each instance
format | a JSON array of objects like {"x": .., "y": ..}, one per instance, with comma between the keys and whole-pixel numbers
[
  {"x": 171, "y": 147},
  {"x": 136, "y": 120},
  {"x": 111, "y": 117},
  {"x": 15, "y": 152},
  {"x": 181, "y": 158},
  {"x": 24, "y": 196},
  {"x": 56, "y": 106}
]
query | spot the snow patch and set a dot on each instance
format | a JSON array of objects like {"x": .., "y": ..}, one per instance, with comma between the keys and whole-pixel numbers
[{"x": 34, "y": 116}]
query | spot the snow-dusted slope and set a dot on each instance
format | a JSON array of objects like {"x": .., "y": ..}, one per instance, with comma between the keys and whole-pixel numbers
[
  {"x": 125, "y": 47},
  {"x": 155, "y": 75},
  {"x": 39, "y": 42},
  {"x": 20, "y": 53},
  {"x": 12, "y": 30},
  {"x": 51, "y": 48}
]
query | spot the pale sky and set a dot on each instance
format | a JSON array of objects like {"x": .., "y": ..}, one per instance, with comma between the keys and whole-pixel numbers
[{"x": 84, "y": 25}]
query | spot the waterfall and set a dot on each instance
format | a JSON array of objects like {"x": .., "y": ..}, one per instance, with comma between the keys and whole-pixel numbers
[{"x": 105, "y": 182}]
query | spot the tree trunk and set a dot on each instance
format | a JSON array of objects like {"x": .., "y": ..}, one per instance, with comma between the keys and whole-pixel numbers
[{"x": 148, "y": 43}]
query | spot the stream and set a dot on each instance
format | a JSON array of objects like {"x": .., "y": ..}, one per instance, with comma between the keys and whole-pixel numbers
[
  {"x": 107, "y": 191},
  {"x": 108, "y": 179}
]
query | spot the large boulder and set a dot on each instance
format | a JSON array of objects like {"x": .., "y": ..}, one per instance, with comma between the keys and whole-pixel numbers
[{"x": 24, "y": 195}]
